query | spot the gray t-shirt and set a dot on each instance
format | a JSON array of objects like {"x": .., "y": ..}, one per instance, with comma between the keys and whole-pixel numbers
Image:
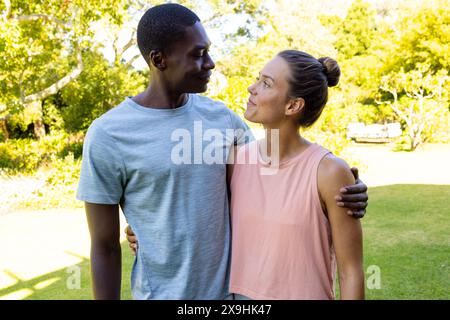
[{"x": 164, "y": 167}]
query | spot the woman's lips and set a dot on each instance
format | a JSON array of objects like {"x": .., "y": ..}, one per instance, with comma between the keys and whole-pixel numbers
[{"x": 250, "y": 104}]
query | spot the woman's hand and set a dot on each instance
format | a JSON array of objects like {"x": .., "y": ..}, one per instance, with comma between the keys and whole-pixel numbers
[{"x": 132, "y": 240}]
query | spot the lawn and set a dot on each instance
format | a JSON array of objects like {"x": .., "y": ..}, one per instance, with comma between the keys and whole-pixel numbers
[{"x": 406, "y": 236}]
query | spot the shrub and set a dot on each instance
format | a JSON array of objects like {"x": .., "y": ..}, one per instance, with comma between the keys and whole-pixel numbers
[{"x": 27, "y": 155}]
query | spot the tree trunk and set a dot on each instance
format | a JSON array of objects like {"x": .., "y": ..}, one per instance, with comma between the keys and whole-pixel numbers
[
  {"x": 39, "y": 129},
  {"x": 411, "y": 144},
  {"x": 4, "y": 129}
]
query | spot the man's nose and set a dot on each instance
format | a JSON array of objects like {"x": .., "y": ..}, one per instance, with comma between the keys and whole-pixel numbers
[{"x": 209, "y": 63}]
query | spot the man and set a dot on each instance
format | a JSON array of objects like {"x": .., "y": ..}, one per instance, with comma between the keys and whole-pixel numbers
[{"x": 177, "y": 210}]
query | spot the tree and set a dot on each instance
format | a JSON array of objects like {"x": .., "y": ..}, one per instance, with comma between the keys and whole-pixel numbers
[
  {"x": 355, "y": 33},
  {"x": 41, "y": 46},
  {"x": 99, "y": 88},
  {"x": 419, "y": 99},
  {"x": 415, "y": 70}
]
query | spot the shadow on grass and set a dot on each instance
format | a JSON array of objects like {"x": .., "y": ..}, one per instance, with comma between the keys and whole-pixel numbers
[
  {"x": 71, "y": 283},
  {"x": 406, "y": 235}
]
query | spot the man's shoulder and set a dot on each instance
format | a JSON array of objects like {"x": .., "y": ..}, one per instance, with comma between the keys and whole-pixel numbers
[
  {"x": 116, "y": 116},
  {"x": 206, "y": 105},
  {"x": 209, "y": 104},
  {"x": 115, "y": 113}
]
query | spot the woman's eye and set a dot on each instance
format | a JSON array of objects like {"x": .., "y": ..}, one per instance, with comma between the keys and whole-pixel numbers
[{"x": 265, "y": 83}]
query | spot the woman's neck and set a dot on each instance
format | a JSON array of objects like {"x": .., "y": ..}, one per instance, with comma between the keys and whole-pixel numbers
[{"x": 285, "y": 140}]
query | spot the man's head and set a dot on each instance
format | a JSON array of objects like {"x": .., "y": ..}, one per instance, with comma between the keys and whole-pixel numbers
[{"x": 174, "y": 44}]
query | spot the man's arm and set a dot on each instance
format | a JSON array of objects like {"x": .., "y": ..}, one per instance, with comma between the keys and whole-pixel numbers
[
  {"x": 346, "y": 231},
  {"x": 106, "y": 257}
]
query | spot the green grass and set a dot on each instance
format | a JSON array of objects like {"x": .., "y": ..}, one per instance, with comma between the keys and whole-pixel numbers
[
  {"x": 406, "y": 234},
  {"x": 58, "y": 289}
]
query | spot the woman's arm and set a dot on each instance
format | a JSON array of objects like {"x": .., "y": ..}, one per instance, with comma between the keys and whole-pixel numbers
[{"x": 333, "y": 174}]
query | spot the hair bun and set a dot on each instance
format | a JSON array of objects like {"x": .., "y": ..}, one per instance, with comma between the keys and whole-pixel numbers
[{"x": 331, "y": 70}]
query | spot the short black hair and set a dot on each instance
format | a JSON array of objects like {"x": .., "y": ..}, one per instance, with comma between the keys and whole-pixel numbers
[{"x": 162, "y": 25}]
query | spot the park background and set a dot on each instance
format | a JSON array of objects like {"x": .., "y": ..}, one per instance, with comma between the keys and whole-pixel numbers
[{"x": 63, "y": 63}]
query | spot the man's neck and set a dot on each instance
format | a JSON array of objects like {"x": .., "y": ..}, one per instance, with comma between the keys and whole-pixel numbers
[{"x": 158, "y": 96}]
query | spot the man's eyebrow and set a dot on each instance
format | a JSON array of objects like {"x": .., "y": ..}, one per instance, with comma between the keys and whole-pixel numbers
[
  {"x": 202, "y": 46},
  {"x": 266, "y": 76}
]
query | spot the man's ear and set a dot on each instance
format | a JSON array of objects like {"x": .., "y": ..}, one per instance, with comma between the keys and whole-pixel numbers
[
  {"x": 295, "y": 106},
  {"x": 157, "y": 59}
]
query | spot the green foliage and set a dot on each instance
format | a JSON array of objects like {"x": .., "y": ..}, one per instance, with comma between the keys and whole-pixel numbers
[
  {"x": 421, "y": 36},
  {"x": 99, "y": 88},
  {"x": 416, "y": 71},
  {"x": 420, "y": 100},
  {"x": 73, "y": 146},
  {"x": 396, "y": 68},
  {"x": 355, "y": 33},
  {"x": 403, "y": 143},
  {"x": 330, "y": 130},
  {"x": 64, "y": 171},
  {"x": 60, "y": 180},
  {"x": 28, "y": 155},
  {"x": 232, "y": 93},
  {"x": 39, "y": 41},
  {"x": 19, "y": 156}
]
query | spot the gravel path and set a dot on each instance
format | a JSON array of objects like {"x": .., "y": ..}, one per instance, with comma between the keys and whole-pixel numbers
[
  {"x": 427, "y": 165},
  {"x": 12, "y": 189}
]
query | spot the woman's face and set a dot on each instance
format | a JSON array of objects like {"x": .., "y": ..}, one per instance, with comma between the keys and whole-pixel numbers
[{"x": 268, "y": 98}]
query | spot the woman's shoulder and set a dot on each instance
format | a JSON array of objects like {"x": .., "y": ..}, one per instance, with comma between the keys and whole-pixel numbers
[
  {"x": 333, "y": 164},
  {"x": 333, "y": 170}
]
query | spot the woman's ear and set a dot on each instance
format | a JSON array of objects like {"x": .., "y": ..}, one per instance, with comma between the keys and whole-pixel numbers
[
  {"x": 157, "y": 59},
  {"x": 295, "y": 106}
]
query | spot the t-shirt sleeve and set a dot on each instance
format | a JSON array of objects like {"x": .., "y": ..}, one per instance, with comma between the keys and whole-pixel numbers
[
  {"x": 243, "y": 134},
  {"x": 102, "y": 176}
]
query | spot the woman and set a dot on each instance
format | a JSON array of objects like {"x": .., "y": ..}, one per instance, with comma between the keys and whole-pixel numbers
[{"x": 287, "y": 230}]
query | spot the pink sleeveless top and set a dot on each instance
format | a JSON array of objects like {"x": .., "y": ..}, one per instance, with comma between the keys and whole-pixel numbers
[{"x": 281, "y": 238}]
